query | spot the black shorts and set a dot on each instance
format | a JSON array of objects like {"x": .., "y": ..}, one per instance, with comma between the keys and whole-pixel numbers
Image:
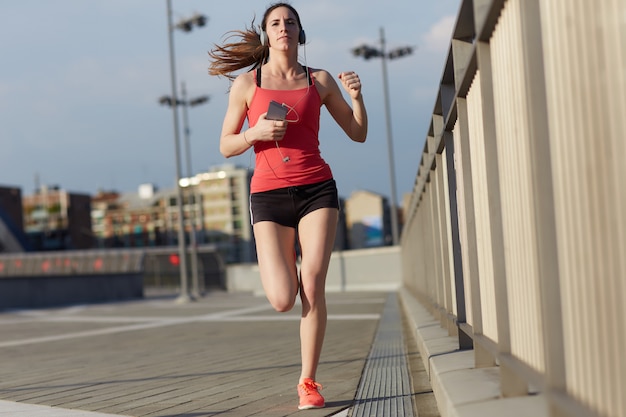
[{"x": 286, "y": 206}]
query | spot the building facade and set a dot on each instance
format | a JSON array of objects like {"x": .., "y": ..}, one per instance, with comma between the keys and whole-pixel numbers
[
  {"x": 130, "y": 220},
  {"x": 215, "y": 210},
  {"x": 12, "y": 238},
  {"x": 55, "y": 219},
  {"x": 368, "y": 220}
]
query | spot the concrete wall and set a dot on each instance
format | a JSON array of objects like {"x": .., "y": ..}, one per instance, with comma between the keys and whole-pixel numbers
[{"x": 377, "y": 269}]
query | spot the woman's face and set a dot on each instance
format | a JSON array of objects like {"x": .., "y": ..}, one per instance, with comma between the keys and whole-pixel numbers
[{"x": 282, "y": 28}]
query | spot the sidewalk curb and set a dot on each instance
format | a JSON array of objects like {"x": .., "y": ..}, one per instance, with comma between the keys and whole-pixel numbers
[{"x": 461, "y": 390}]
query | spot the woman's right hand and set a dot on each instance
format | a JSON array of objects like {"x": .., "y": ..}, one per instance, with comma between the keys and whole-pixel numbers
[{"x": 269, "y": 130}]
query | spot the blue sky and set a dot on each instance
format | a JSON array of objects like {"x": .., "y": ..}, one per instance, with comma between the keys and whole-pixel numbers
[{"x": 80, "y": 82}]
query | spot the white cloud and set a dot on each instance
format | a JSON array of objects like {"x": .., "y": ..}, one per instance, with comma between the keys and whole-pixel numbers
[{"x": 438, "y": 37}]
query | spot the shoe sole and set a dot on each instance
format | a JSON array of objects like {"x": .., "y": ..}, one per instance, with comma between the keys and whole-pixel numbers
[{"x": 310, "y": 407}]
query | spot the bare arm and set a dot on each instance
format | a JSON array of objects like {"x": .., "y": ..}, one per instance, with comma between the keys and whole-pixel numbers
[
  {"x": 232, "y": 140},
  {"x": 353, "y": 120}
]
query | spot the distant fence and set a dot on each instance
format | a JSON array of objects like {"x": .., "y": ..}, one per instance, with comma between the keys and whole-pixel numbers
[
  {"x": 161, "y": 268},
  {"x": 516, "y": 233},
  {"x": 80, "y": 262}
]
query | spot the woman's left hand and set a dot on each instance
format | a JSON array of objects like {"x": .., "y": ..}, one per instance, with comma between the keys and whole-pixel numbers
[{"x": 351, "y": 83}]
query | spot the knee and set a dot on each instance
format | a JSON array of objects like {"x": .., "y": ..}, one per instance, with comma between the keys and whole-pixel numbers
[
  {"x": 282, "y": 304},
  {"x": 283, "y": 307},
  {"x": 313, "y": 295}
]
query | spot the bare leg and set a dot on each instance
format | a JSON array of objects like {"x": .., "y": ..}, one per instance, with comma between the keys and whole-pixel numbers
[
  {"x": 317, "y": 236},
  {"x": 275, "y": 251}
]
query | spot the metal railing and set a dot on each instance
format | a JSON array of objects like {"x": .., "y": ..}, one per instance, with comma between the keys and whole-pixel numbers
[
  {"x": 158, "y": 265},
  {"x": 79, "y": 262},
  {"x": 515, "y": 236}
]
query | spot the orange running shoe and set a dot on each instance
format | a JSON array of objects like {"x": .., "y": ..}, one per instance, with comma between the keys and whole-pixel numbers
[{"x": 309, "y": 395}]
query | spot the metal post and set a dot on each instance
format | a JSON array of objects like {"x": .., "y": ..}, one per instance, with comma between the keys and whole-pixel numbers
[
  {"x": 392, "y": 169},
  {"x": 192, "y": 196},
  {"x": 182, "y": 253}
]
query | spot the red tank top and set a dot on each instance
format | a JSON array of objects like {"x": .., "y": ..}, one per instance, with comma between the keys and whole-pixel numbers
[{"x": 300, "y": 145}]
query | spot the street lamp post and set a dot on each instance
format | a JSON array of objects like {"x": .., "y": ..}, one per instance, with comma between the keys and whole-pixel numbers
[
  {"x": 196, "y": 101},
  {"x": 186, "y": 26},
  {"x": 169, "y": 101},
  {"x": 368, "y": 52}
]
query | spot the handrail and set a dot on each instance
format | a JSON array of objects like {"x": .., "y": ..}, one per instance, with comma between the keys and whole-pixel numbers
[{"x": 515, "y": 233}]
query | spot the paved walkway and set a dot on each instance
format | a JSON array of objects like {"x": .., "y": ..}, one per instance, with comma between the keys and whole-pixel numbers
[{"x": 226, "y": 354}]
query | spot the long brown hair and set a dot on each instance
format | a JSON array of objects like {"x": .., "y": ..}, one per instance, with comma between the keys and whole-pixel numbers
[{"x": 245, "y": 50}]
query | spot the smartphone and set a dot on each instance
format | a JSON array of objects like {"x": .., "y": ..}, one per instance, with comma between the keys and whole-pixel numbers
[{"x": 276, "y": 111}]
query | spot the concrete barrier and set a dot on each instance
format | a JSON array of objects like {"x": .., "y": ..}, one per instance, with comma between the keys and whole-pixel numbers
[
  {"x": 50, "y": 291},
  {"x": 48, "y": 279},
  {"x": 375, "y": 269}
]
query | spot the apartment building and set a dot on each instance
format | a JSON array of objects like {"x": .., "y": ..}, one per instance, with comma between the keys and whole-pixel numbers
[
  {"x": 55, "y": 219},
  {"x": 217, "y": 204},
  {"x": 130, "y": 220},
  {"x": 368, "y": 220},
  {"x": 215, "y": 210}
]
